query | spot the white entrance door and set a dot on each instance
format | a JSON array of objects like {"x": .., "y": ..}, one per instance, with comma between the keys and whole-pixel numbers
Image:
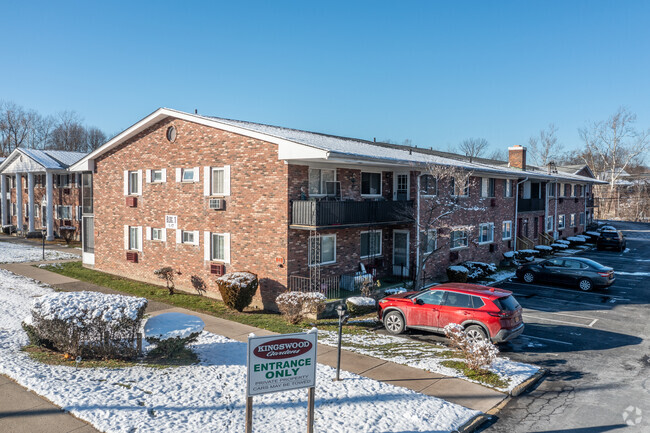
[
  {"x": 401, "y": 185},
  {"x": 401, "y": 253}
]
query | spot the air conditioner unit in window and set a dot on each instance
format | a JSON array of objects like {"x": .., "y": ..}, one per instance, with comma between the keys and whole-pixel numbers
[
  {"x": 217, "y": 204},
  {"x": 217, "y": 268},
  {"x": 131, "y": 257}
]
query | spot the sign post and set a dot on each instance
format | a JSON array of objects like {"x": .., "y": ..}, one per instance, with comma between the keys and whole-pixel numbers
[{"x": 281, "y": 363}]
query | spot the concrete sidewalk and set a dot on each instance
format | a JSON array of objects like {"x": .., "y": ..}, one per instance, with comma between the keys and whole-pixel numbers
[{"x": 452, "y": 389}]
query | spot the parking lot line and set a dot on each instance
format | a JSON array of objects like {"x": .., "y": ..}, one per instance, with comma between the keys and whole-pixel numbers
[
  {"x": 592, "y": 323},
  {"x": 563, "y": 301},
  {"x": 572, "y": 291},
  {"x": 557, "y": 321},
  {"x": 547, "y": 339}
]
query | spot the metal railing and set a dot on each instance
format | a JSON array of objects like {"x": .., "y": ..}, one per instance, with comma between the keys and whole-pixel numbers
[
  {"x": 330, "y": 286},
  {"x": 333, "y": 213}
]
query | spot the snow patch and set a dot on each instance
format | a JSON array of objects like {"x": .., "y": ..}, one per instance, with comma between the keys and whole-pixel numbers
[
  {"x": 14, "y": 253},
  {"x": 361, "y": 301},
  {"x": 172, "y": 325}
]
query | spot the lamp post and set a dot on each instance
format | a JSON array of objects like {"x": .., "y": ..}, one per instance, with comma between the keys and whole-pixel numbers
[
  {"x": 343, "y": 318},
  {"x": 44, "y": 233}
]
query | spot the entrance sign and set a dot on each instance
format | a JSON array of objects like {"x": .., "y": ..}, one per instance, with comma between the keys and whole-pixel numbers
[
  {"x": 171, "y": 222},
  {"x": 281, "y": 363}
]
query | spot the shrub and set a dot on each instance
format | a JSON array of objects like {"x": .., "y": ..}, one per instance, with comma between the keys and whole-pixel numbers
[
  {"x": 88, "y": 324},
  {"x": 478, "y": 270},
  {"x": 167, "y": 273},
  {"x": 237, "y": 289},
  {"x": 198, "y": 284},
  {"x": 296, "y": 305},
  {"x": 67, "y": 233},
  {"x": 170, "y": 347},
  {"x": 360, "y": 305},
  {"x": 457, "y": 274},
  {"x": 171, "y": 332},
  {"x": 478, "y": 354},
  {"x": 544, "y": 250},
  {"x": 368, "y": 287}
]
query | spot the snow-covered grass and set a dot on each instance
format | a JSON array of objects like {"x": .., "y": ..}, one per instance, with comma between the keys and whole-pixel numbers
[
  {"x": 208, "y": 396},
  {"x": 423, "y": 356},
  {"x": 172, "y": 325},
  {"x": 361, "y": 301},
  {"x": 12, "y": 253}
]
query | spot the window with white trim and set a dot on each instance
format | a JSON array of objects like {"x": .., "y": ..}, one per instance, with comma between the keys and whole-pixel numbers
[
  {"x": 318, "y": 178},
  {"x": 370, "y": 183},
  {"x": 485, "y": 233},
  {"x": 64, "y": 212},
  {"x": 430, "y": 241},
  {"x": 218, "y": 247},
  {"x": 459, "y": 190},
  {"x": 157, "y": 234},
  {"x": 79, "y": 212},
  {"x": 189, "y": 237},
  {"x": 189, "y": 175},
  {"x": 550, "y": 189},
  {"x": 582, "y": 218},
  {"x": 156, "y": 176},
  {"x": 458, "y": 239},
  {"x": 508, "y": 191},
  {"x": 370, "y": 244},
  {"x": 134, "y": 183},
  {"x": 487, "y": 187},
  {"x": 428, "y": 185},
  {"x": 572, "y": 220},
  {"x": 327, "y": 249},
  {"x": 506, "y": 230},
  {"x": 560, "y": 222},
  {"x": 549, "y": 223},
  {"x": 135, "y": 236},
  {"x": 217, "y": 178}
]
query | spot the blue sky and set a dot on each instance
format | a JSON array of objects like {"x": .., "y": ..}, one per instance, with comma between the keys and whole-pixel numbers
[{"x": 433, "y": 72}]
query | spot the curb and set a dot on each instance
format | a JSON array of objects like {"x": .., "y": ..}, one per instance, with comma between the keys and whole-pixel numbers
[
  {"x": 527, "y": 384},
  {"x": 474, "y": 423}
]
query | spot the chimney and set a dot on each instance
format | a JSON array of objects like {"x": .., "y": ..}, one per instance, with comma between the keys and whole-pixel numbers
[{"x": 517, "y": 157}]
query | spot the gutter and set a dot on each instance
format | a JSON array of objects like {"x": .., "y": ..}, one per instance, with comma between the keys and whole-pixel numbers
[{"x": 517, "y": 210}]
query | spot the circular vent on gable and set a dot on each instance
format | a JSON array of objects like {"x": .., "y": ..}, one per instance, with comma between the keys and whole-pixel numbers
[{"x": 171, "y": 134}]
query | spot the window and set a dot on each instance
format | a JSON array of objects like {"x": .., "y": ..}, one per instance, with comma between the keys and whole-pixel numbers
[
  {"x": 576, "y": 190},
  {"x": 370, "y": 244},
  {"x": 134, "y": 238},
  {"x": 572, "y": 220},
  {"x": 460, "y": 300},
  {"x": 430, "y": 241},
  {"x": 79, "y": 213},
  {"x": 189, "y": 175},
  {"x": 567, "y": 190},
  {"x": 458, "y": 239},
  {"x": 157, "y": 234},
  {"x": 432, "y": 297},
  {"x": 370, "y": 183},
  {"x": 188, "y": 237},
  {"x": 458, "y": 189},
  {"x": 508, "y": 191},
  {"x": 560, "y": 222},
  {"x": 327, "y": 249},
  {"x": 317, "y": 179},
  {"x": 582, "y": 218},
  {"x": 487, "y": 187},
  {"x": 156, "y": 176},
  {"x": 428, "y": 185},
  {"x": 506, "y": 230},
  {"x": 64, "y": 180},
  {"x": 550, "y": 189},
  {"x": 218, "y": 176},
  {"x": 134, "y": 183},
  {"x": 218, "y": 252},
  {"x": 64, "y": 212},
  {"x": 485, "y": 233},
  {"x": 13, "y": 209},
  {"x": 549, "y": 223}
]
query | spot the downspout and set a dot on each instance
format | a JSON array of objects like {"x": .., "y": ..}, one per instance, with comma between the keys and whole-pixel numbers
[
  {"x": 584, "y": 198},
  {"x": 517, "y": 209},
  {"x": 417, "y": 233},
  {"x": 557, "y": 194},
  {"x": 545, "y": 209}
]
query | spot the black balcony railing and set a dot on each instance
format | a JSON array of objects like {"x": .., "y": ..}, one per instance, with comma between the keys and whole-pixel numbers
[
  {"x": 530, "y": 204},
  {"x": 349, "y": 213},
  {"x": 590, "y": 202}
]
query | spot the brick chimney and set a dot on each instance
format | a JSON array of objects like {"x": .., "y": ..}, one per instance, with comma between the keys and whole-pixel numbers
[{"x": 517, "y": 157}]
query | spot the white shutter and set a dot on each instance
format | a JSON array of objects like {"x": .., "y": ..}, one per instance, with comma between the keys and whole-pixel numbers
[
  {"x": 163, "y": 235},
  {"x": 147, "y": 233},
  {"x": 196, "y": 174},
  {"x": 139, "y": 182},
  {"x": 179, "y": 173},
  {"x": 196, "y": 237},
  {"x": 140, "y": 236},
  {"x": 226, "y": 180},
  {"x": 179, "y": 236},
  {"x": 206, "y": 181},
  {"x": 126, "y": 237},
  {"x": 126, "y": 182},
  {"x": 206, "y": 245},
  {"x": 164, "y": 175},
  {"x": 148, "y": 174},
  {"x": 226, "y": 247},
  {"x": 56, "y": 211}
]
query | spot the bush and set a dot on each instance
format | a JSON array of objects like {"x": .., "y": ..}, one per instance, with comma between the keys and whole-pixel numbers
[
  {"x": 171, "y": 332},
  {"x": 360, "y": 305},
  {"x": 167, "y": 273},
  {"x": 296, "y": 305},
  {"x": 170, "y": 347},
  {"x": 544, "y": 250},
  {"x": 237, "y": 289},
  {"x": 198, "y": 284},
  {"x": 457, "y": 274},
  {"x": 478, "y": 354},
  {"x": 87, "y": 324},
  {"x": 478, "y": 270},
  {"x": 67, "y": 233}
]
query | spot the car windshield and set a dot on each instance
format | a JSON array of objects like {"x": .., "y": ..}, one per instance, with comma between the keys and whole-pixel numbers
[{"x": 507, "y": 303}]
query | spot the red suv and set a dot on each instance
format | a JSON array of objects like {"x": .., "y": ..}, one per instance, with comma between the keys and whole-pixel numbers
[{"x": 483, "y": 311}]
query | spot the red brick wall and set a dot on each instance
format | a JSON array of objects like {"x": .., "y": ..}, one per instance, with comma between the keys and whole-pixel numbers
[{"x": 256, "y": 212}]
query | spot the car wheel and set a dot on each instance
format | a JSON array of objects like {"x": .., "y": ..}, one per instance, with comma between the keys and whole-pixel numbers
[
  {"x": 475, "y": 333},
  {"x": 394, "y": 322},
  {"x": 585, "y": 285},
  {"x": 529, "y": 277}
]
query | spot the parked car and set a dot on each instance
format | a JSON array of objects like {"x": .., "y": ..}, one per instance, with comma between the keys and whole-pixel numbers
[
  {"x": 584, "y": 273},
  {"x": 484, "y": 312},
  {"x": 607, "y": 228},
  {"x": 611, "y": 239}
]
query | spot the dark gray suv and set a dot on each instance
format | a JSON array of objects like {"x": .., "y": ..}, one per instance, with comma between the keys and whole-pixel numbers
[
  {"x": 611, "y": 239},
  {"x": 584, "y": 273}
]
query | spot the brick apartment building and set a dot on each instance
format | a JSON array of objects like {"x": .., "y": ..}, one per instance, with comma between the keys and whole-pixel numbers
[
  {"x": 208, "y": 195},
  {"x": 39, "y": 193}
]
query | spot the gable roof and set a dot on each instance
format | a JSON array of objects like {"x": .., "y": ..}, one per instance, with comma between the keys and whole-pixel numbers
[
  {"x": 306, "y": 146},
  {"x": 45, "y": 159}
]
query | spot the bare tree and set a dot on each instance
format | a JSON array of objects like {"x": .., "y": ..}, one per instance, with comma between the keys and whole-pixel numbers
[
  {"x": 16, "y": 125},
  {"x": 499, "y": 155},
  {"x": 95, "y": 138},
  {"x": 614, "y": 144},
  {"x": 473, "y": 147},
  {"x": 544, "y": 148},
  {"x": 69, "y": 134}
]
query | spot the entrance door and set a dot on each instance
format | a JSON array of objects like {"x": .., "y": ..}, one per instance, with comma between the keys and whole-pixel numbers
[
  {"x": 400, "y": 186},
  {"x": 401, "y": 253}
]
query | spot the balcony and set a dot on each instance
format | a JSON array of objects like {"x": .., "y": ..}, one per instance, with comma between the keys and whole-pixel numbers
[
  {"x": 530, "y": 204},
  {"x": 308, "y": 214},
  {"x": 590, "y": 202}
]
